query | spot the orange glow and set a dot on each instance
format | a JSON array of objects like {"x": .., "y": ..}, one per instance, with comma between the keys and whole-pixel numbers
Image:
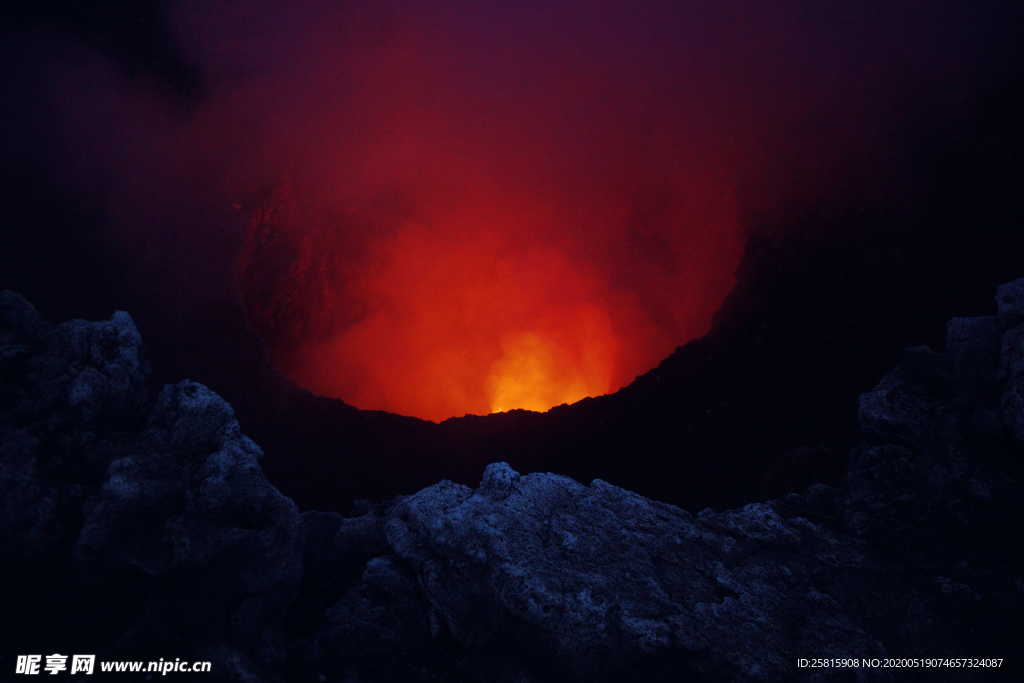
[
  {"x": 535, "y": 373},
  {"x": 444, "y": 318},
  {"x": 525, "y": 377},
  {"x": 457, "y": 240},
  {"x": 440, "y": 208}
]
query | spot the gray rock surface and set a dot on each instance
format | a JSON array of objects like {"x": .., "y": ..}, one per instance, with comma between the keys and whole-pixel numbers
[{"x": 149, "y": 510}]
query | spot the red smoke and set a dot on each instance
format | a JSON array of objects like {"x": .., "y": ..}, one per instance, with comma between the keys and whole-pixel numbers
[
  {"x": 486, "y": 304},
  {"x": 456, "y": 208},
  {"x": 490, "y": 231}
]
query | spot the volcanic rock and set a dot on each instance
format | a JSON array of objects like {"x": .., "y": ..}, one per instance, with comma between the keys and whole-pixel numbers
[{"x": 138, "y": 522}]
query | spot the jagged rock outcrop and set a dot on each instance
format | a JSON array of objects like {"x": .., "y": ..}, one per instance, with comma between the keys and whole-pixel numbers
[
  {"x": 153, "y": 505},
  {"x": 152, "y": 509}
]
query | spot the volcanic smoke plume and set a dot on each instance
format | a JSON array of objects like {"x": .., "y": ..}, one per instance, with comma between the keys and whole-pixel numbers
[
  {"x": 447, "y": 208},
  {"x": 491, "y": 226}
]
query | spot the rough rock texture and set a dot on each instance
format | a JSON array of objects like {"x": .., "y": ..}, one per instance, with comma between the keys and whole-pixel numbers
[
  {"x": 139, "y": 521},
  {"x": 142, "y": 524}
]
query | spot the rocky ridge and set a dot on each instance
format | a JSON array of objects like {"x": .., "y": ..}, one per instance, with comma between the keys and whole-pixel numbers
[{"x": 139, "y": 523}]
